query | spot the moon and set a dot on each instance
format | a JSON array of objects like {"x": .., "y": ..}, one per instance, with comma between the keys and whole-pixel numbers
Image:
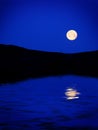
[{"x": 71, "y": 35}]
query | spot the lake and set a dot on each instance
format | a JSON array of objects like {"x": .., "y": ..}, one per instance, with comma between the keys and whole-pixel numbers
[{"x": 41, "y": 104}]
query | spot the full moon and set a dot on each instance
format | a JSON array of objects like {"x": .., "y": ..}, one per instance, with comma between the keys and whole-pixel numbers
[{"x": 71, "y": 35}]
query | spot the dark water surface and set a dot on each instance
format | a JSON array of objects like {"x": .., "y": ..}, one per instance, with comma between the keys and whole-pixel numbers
[{"x": 40, "y": 104}]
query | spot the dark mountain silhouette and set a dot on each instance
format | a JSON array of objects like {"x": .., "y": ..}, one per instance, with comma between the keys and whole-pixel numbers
[
  {"x": 17, "y": 63},
  {"x": 85, "y": 63}
]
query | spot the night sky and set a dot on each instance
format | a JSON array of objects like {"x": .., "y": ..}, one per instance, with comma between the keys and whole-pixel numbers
[{"x": 42, "y": 25}]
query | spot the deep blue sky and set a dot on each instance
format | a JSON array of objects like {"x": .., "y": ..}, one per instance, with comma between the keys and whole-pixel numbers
[{"x": 42, "y": 25}]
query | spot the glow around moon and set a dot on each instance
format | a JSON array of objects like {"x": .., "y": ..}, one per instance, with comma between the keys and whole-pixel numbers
[{"x": 71, "y": 35}]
